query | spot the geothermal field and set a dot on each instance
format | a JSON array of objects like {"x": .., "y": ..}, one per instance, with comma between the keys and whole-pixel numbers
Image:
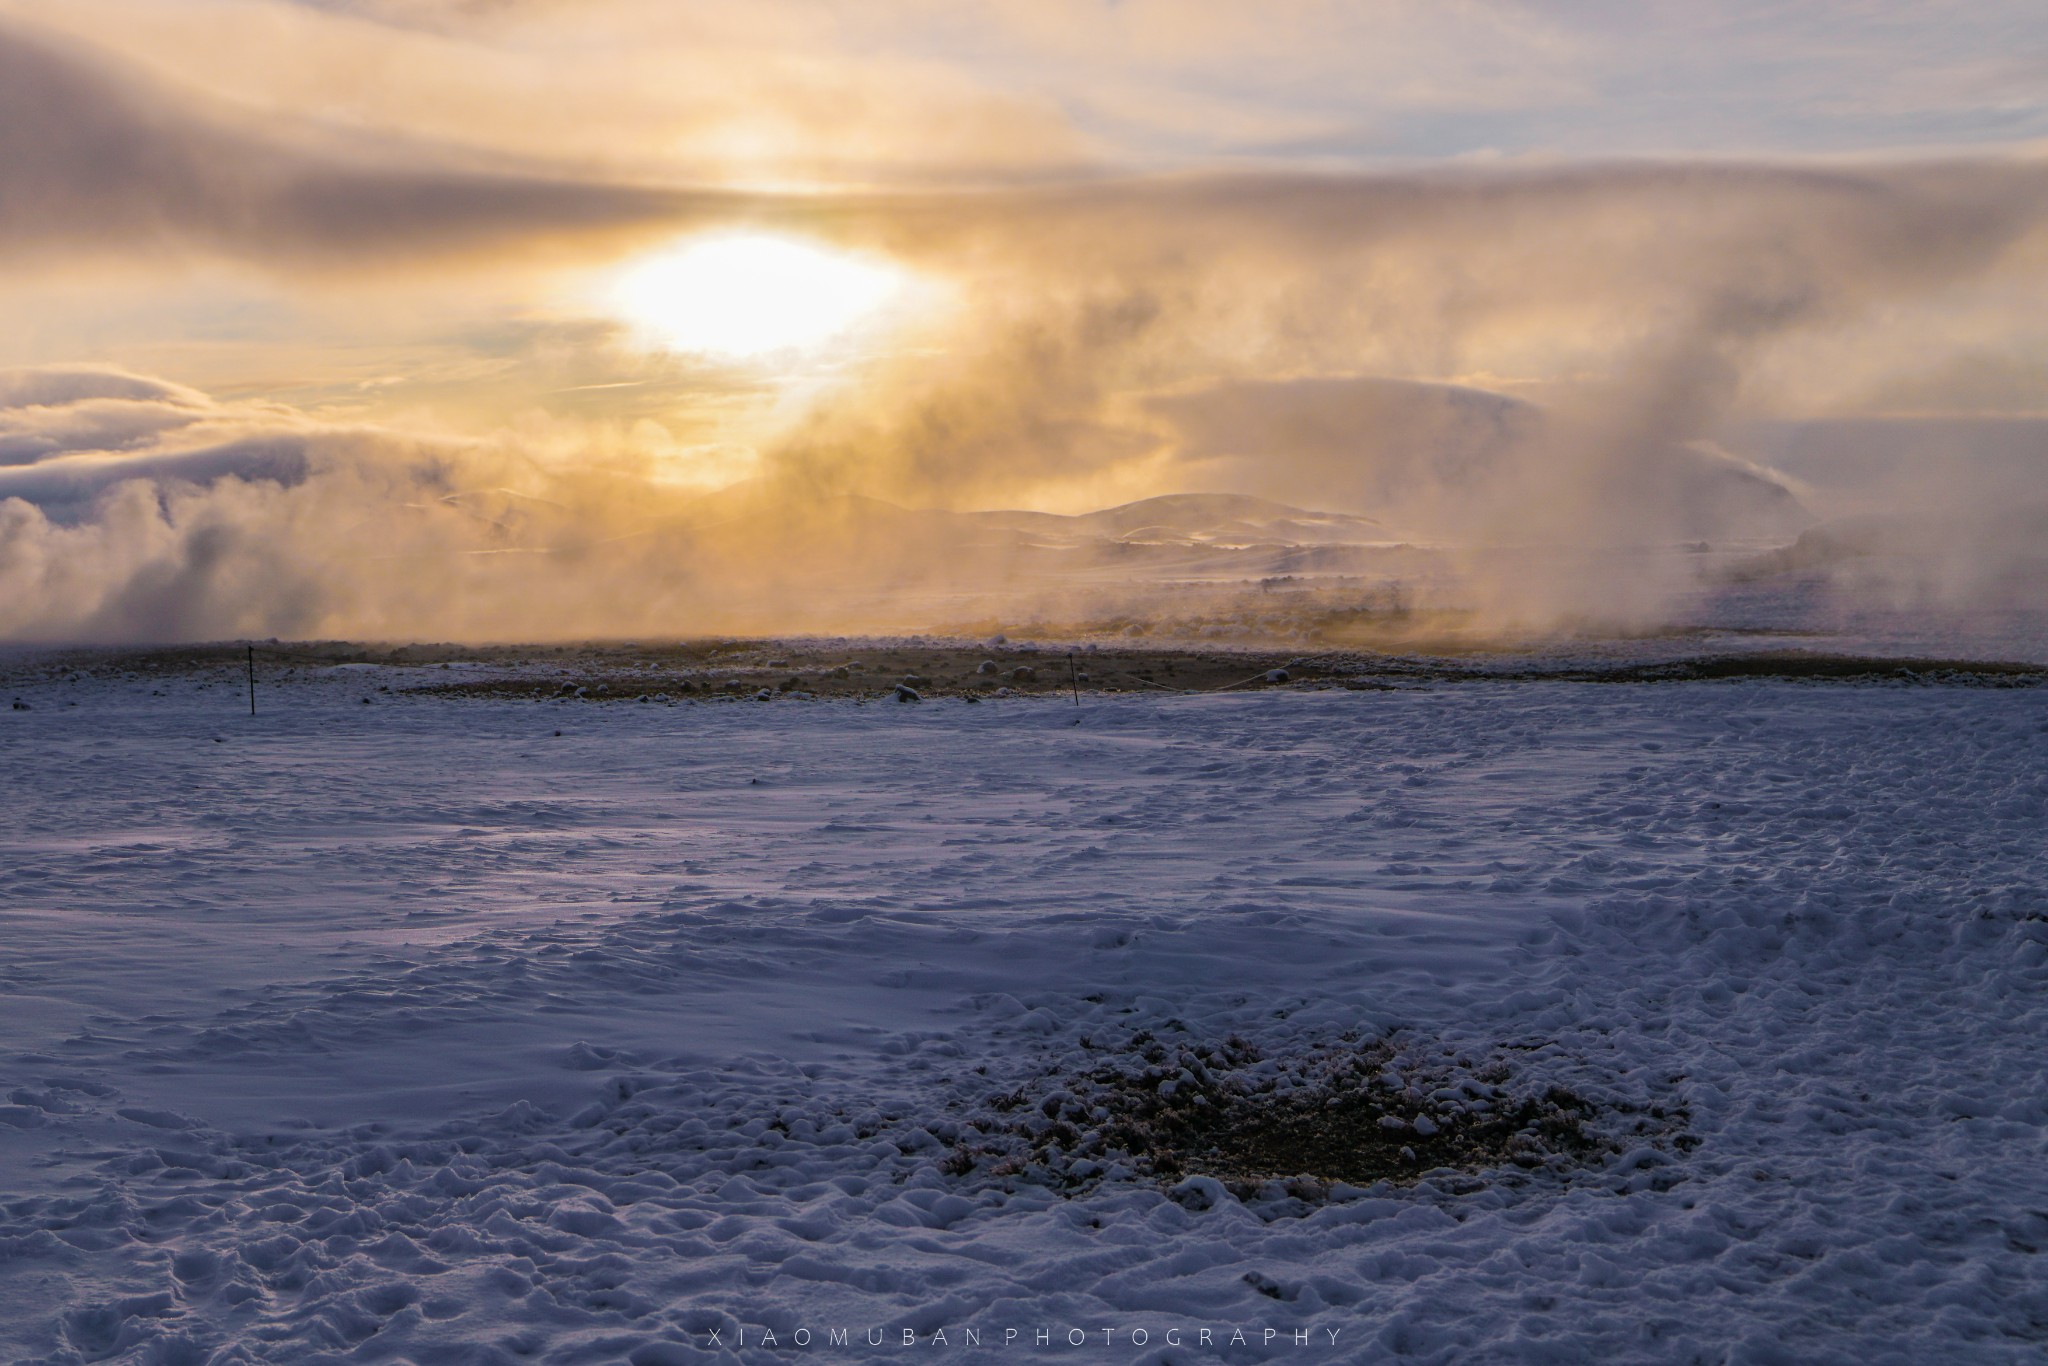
[{"x": 1150, "y": 682}]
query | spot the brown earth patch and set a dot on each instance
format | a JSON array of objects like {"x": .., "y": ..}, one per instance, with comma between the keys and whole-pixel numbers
[{"x": 1353, "y": 1113}]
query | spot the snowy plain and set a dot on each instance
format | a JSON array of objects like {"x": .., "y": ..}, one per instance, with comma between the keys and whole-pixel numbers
[{"x": 466, "y": 1030}]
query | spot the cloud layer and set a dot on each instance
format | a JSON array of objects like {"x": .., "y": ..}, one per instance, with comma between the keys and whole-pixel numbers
[
  {"x": 103, "y": 158},
  {"x": 388, "y": 410}
]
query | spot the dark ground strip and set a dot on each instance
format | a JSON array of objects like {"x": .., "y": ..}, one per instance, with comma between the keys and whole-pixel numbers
[{"x": 881, "y": 668}]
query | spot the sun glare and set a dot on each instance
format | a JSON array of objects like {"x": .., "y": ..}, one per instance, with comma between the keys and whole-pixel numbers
[{"x": 744, "y": 296}]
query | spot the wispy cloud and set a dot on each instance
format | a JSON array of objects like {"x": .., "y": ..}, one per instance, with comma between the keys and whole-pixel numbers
[{"x": 101, "y": 158}]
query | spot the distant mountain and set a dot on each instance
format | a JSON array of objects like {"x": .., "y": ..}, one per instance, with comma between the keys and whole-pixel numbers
[
  {"x": 1177, "y": 537},
  {"x": 1218, "y": 520},
  {"x": 1223, "y": 520},
  {"x": 1450, "y": 463}
]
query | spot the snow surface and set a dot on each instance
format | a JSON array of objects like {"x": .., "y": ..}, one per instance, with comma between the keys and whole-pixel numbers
[{"x": 417, "y": 1031}]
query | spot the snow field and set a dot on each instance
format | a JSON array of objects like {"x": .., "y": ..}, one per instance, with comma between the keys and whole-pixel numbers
[{"x": 415, "y": 1032}]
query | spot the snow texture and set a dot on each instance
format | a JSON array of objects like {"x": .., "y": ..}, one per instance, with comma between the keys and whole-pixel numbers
[{"x": 443, "y": 1030}]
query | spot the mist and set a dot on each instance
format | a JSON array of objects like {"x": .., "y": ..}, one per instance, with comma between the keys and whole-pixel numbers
[{"x": 1530, "y": 397}]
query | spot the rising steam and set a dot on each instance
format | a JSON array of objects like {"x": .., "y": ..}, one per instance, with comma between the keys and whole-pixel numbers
[{"x": 1544, "y": 386}]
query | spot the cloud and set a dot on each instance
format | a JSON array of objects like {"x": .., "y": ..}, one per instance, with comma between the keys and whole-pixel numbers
[
  {"x": 104, "y": 152},
  {"x": 101, "y": 157},
  {"x": 69, "y": 491},
  {"x": 262, "y": 146},
  {"x": 69, "y": 433},
  {"x": 1162, "y": 83},
  {"x": 53, "y": 411},
  {"x": 48, "y": 386}
]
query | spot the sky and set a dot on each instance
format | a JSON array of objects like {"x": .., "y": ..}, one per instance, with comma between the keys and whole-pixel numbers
[{"x": 452, "y": 316}]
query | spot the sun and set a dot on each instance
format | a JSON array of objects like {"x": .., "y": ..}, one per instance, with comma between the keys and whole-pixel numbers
[{"x": 748, "y": 295}]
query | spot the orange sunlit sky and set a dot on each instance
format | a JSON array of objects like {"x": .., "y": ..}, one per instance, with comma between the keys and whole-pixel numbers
[{"x": 531, "y": 318}]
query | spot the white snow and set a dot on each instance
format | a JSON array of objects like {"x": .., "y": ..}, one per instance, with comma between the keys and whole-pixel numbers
[{"x": 418, "y": 1032}]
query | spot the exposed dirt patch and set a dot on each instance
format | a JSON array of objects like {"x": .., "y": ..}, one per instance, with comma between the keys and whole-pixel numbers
[{"x": 1351, "y": 1113}]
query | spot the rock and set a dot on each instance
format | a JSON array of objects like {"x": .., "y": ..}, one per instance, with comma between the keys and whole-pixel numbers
[
  {"x": 1022, "y": 673},
  {"x": 1277, "y": 676},
  {"x": 987, "y": 666},
  {"x": 906, "y": 693},
  {"x": 1199, "y": 1193}
]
